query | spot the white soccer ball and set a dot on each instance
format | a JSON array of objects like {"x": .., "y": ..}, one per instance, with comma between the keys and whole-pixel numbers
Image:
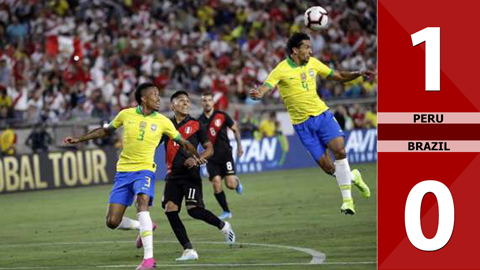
[{"x": 316, "y": 18}]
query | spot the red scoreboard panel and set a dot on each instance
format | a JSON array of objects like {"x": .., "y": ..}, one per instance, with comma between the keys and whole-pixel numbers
[{"x": 428, "y": 134}]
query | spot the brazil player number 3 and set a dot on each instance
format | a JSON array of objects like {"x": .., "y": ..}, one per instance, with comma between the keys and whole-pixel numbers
[{"x": 446, "y": 209}]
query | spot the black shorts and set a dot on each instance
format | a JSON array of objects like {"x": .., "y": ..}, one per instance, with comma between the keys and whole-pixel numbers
[
  {"x": 176, "y": 189},
  {"x": 222, "y": 167}
]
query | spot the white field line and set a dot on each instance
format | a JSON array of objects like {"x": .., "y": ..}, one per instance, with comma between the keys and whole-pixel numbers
[{"x": 317, "y": 256}]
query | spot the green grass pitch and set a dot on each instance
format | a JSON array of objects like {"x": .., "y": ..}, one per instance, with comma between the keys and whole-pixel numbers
[{"x": 65, "y": 229}]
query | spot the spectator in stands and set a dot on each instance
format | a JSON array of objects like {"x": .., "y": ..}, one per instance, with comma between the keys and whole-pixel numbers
[
  {"x": 220, "y": 46},
  {"x": 8, "y": 141},
  {"x": 371, "y": 118},
  {"x": 248, "y": 126},
  {"x": 5, "y": 102},
  {"x": 16, "y": 31},
  {"x": 5, "y": 72},
  {"x": 19, "y": 96},
  {"x": 358, "y": 116},
  {"x": 162, "y": 80},
  {"x": 39, "y": 139},
  {"x": 268, "y": 126}
]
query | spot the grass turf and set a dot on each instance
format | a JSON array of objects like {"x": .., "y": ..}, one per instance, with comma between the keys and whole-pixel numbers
[{"x": 65, "y": 229}]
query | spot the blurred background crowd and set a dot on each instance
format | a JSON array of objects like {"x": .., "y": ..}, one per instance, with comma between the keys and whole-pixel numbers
[{"x": 66, "y": 60}]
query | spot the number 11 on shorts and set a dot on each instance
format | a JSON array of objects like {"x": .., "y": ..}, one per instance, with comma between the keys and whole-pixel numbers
[{"x": 191, "y": 194}]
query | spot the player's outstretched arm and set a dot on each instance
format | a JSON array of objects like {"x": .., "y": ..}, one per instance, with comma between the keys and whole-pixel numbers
[
  {"x": 94, "y": 134},
  {"x": 188, "y": 146},
  {"x": 257, "y": 93},
  {"x": 207, "y": 153},
  {"x": 345, "y": 76},
  {"x": 238, "y": 138}
]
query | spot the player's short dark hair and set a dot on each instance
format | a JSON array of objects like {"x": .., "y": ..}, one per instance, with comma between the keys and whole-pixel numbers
[
  {"x": 140, "y": 90},
  {"x": 295, "y": 41},
  {"x": 178, "y": 93},
  {"x": 208, "y": 93}
]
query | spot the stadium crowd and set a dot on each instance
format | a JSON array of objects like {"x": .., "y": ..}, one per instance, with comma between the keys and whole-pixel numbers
[{"x": 70, "y": 59}]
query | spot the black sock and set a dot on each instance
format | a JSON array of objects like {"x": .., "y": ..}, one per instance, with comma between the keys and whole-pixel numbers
[
  {"x": 222, "y": 200},
  {"x": 179, "y": 229},
  {"x": 207, "y": 216}
]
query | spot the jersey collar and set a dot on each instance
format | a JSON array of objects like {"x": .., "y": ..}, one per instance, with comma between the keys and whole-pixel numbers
[
  {"x": 292, "y": 64},
  {"x": 139, "y": 111},
  {"x": 188, "y": 118},
  {"x": 208, "y": 118}
]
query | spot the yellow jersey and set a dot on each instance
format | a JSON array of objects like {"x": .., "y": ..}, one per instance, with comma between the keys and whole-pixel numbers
[
  {"x": 141, "y": 136},
  {"x": 372, "y": 118},
  {"x": 298, "y": 87},
  {"x": 267, "y": 128}
]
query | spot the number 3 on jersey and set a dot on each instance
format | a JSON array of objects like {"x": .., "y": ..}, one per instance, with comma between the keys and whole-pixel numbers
[{"x": 141, "y": 136}]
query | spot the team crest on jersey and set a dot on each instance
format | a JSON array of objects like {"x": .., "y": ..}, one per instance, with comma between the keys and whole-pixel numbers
[
  {"x": 304, "y": 76},
  {"x": 188, "y": 130},
  {"x": 218, "y": 122},
  {"x": 310, "y": 71},
  {"x": 154, "y": 127}
]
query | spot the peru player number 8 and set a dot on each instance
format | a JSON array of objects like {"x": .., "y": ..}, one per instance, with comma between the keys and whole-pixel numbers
[
  {"x": 446, "y": 215},
  {"x": 212, "y": 131}
]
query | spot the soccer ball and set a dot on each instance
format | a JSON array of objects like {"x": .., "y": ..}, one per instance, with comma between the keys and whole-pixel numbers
[{"x": 316, "y": 18}]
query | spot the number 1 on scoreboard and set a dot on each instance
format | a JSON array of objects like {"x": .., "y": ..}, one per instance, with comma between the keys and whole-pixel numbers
[{"x": 430, "y": 35}]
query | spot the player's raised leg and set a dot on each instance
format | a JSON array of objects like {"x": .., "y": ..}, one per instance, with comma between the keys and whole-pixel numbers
[
  {"x": 116, "y": 220},
  {"x": 121, "y": 197},
  {"x": 343, "y": 174},
  {"x": 201, "y": 213},
  {"x": 196, "y": 209},
  {"x": 327, "y": 164},
  {"x": 220, "y": 196},
  {"x": 232, "y": 182}
]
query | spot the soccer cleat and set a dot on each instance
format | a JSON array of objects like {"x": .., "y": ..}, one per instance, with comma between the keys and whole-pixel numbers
[
  {"x": 225, "y": 215},
  {"x": 239, "y": 188},
  {"x": 147, "y": 264},
  {"x": 348, "y": 208},
  {"x": 358, "y": 181},
  {"x": 139, "y": 243},
  {"x": 188, "y": 255},
  {"x": 229, "y": 234}
]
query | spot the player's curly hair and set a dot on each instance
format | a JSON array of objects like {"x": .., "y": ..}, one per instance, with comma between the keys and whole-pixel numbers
[
  {"x": 140, "y": 90},
  {"x": 295, "y": 40}
]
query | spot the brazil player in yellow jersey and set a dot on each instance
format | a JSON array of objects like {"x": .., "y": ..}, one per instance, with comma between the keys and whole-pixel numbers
[
  {"x": 316, "y": 126},
  {"x": 143, "y": 128}
]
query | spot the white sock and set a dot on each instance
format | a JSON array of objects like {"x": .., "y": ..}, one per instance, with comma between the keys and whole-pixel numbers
[
  {"x": 351, "y": 175},
  {"x": 146, "y": 233},
  {"x": 128, "y": 224},
  {"x": 344, "y": 178}
]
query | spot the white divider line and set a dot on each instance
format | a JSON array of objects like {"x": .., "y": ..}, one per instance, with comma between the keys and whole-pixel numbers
[{"x": 447, "y": 117}]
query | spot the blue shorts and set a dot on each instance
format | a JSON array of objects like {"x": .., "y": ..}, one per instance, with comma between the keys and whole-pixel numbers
[
  {"x": 317, "y": 131},
  {"x": 128, "y": 184}
]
